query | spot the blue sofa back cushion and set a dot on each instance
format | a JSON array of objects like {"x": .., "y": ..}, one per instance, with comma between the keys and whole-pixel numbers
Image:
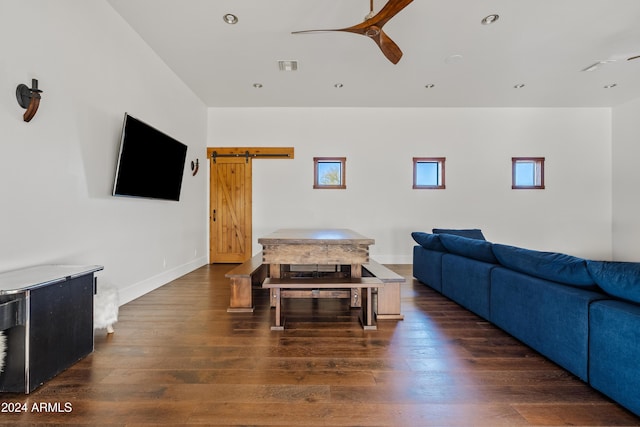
[
  {"x": 428, "y": 241},
  {"x": 553, "y": 266},
  {"x": 471, "y": 233},
  {"x": 620, "y": 279},
  {"x": 471, "y": 248}
]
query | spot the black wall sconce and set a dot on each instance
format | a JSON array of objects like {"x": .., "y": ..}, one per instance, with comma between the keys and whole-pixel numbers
[
  {"x": 29, "y": 98},
  {"x": 195, "y": 166}
]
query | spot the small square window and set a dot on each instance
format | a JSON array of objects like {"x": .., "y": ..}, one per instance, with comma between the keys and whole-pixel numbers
[
  {"x": 527, "y": 172},
  {"x": 329, "y": 172},
  {"x": 428, "y": 172}
]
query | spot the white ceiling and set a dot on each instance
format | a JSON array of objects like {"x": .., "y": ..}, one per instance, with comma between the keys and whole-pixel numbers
[{"x": 543, "y": 44}]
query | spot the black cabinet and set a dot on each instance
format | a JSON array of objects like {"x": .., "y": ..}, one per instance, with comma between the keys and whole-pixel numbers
[{"x": 46, "y": 314}]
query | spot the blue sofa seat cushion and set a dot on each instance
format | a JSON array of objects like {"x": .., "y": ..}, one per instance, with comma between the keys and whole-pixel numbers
[
  {"x": 614, "y": 351},
  {"x": 471, "y": 233},
  {"x": 551, "y": 318},
  {"x": 620, "y": 279},
  {"x": 427, "y": 267},
  {"x": 467, "y": 282},
  {"x": 471, "y": 248},
  {"x": 428, "y": 241},
  {"x": 552, "y": 266}
]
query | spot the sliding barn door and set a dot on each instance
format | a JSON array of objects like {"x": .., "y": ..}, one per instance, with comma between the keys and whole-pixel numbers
[{"x": 230, "y": 214}]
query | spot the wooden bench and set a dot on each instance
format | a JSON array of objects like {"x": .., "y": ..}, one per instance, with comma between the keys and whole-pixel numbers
[
  {"x": 388, "y": 304},
  {"x": 323, "y": 287},
  {"x": 242, "y": 279}
]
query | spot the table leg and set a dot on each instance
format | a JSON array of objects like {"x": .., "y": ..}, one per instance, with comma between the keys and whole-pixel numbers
[
  {"x": 356, "y": 299},
  {"x": 275, "y": 273},
  {"x": 279, "y": 324},
  {"x": 367, "y": 311}
]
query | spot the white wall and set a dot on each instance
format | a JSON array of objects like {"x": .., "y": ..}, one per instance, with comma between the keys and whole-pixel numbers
[
  {"x": 56, "y": 172},
  {"x": 572, "y": 215},
  {"x": 626, "y": 177}
]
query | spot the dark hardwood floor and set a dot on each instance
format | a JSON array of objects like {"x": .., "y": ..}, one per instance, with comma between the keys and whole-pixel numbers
[{"x": 178, "y": 358}]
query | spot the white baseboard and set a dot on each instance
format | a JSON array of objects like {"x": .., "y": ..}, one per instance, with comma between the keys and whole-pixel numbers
[
  {"x": 393, "y": 259},
  {"x": 139, "y": 289},
  {"x": 144, "y": 287}
]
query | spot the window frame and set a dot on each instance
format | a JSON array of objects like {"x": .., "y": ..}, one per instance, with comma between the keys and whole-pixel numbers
[
  {"x": 441, "y": 175},
  {"x": 343, "y": 173},
  {"x": 539, "y": 173}
]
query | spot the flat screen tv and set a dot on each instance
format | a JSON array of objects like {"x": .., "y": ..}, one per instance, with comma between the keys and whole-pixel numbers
[{"x": 150, "y": 163}]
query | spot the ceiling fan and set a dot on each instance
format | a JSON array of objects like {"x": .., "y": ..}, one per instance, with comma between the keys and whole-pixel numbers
[
  {"x": 372, "y": 28},
  {"x": 611, "y": 59}
]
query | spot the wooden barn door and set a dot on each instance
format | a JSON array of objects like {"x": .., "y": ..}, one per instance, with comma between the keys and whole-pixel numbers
[
  {"x": 230, "y": 199},
  {"x": 230, "y": 204}
]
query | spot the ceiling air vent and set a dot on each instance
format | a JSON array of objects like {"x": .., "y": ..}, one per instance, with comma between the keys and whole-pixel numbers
[{"x": 287, "y": 65}]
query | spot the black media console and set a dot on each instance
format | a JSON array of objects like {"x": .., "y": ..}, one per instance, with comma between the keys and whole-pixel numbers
[{"x": 46, "y": 314}]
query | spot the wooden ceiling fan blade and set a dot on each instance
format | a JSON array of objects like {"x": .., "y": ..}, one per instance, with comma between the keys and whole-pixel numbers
[
  {"x": 389, "y": 10},
  {"x": 372, "y": 28},
  {"x": 314, "y": 31},
  {"x": 388, "y": 47}
]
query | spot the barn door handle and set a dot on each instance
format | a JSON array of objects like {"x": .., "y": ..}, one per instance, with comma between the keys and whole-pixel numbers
[{"x": 214, "y": 215}]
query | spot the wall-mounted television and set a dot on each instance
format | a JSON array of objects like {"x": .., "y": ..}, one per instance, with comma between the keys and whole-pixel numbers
[{"x": 150, "y": 162}]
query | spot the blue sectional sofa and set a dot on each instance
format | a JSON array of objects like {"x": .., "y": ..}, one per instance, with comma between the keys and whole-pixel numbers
[{"x": 583, "y": 315}]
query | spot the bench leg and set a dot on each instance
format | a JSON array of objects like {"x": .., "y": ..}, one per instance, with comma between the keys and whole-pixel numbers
[
  {"x": 240, "y": 300},
  {"x": 388, "y": 307},
  {"x": 279, "y": 324}
]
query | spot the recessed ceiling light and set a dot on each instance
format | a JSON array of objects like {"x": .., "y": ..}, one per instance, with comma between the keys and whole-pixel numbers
[
  {"x": 490, "y": 19},
  {"x": 519, "y": 86},
  {"x": 453, "y": 59},
  {"x": 230, "y": 18},
  {"x": 257, "y": 85},
  {"x": 610, "y": 86},
  {"x": 429, "y": 86},
  {"x": 338, "y": 85}
]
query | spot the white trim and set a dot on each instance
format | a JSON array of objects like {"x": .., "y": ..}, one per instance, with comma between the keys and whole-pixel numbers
[{"x": 139, "y": 289}]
